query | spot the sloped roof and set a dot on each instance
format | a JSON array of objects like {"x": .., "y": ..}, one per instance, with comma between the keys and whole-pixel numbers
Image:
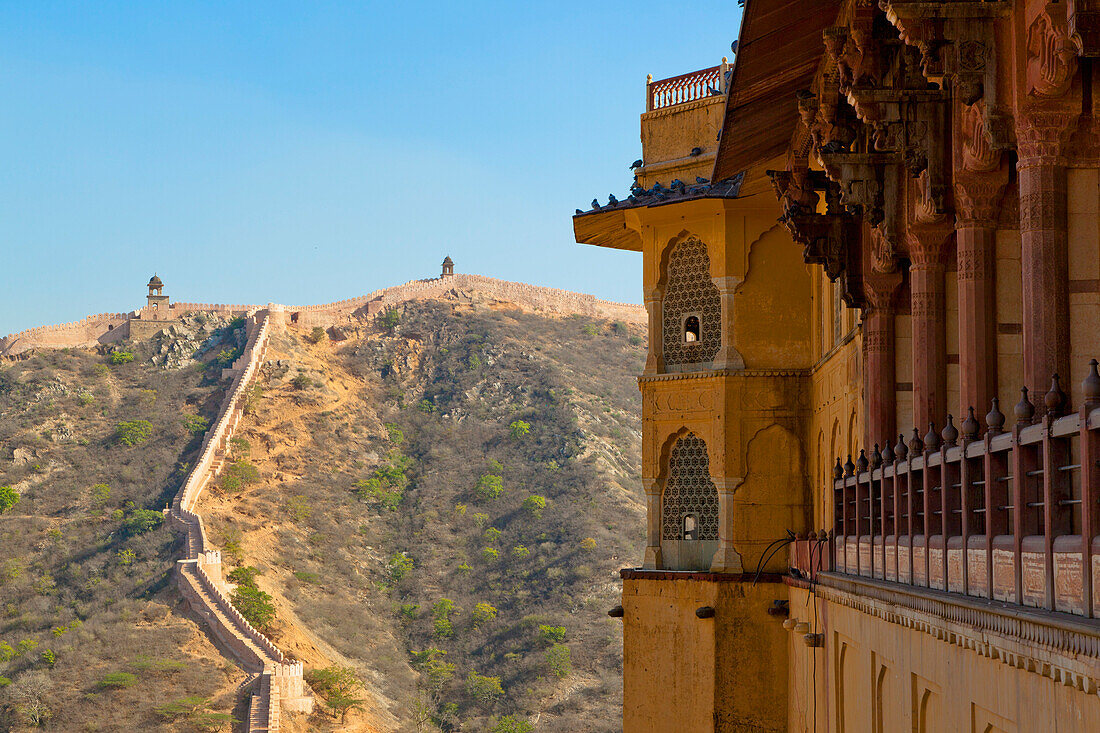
[{"x": 778, "y": 52}]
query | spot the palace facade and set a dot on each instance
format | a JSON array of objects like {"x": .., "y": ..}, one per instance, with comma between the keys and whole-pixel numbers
[{"x": 871, "y": 414}]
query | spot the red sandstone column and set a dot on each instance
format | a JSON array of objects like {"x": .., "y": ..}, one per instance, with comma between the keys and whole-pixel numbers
[
  {"x": 879, "y": 366},
  {"x": 1043, "y": 255},
  {"x": 926, "y": 286},
  {"x": 977, "y": 198}
]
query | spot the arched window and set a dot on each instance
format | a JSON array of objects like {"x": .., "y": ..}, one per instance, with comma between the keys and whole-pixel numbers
[
  {"x": 692, "y": 308},
  {"x": 690, "y": 501}
]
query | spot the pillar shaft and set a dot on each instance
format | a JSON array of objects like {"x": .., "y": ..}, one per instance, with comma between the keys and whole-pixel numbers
[
  {"x": 977, "y": 315},
  {"x": 726, "y": 558},
  {"x": 652, "y": 559},
  {"x": 654, "y": 363},
  {"x": 929, "y": 338},
  {"x": 1044, "y": 263},
  {"x": 879, "y": 382},
  {"x": 728, "y": 357}
]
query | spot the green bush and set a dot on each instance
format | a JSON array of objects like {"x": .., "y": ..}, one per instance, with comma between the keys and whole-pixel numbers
[
  {"x": 520, "y": 552},
  {"x": 238, "y": 475},
  {"x": 133, "y": 432},
  {"x": 316, "y": 335},
  {"x": 117, "y": 681},
  {"x": 100, "y": 493},
  {"x": 399, "y": 566},
  {"x": 339, "y": 686},
  {"x": 9, "y": 497},
  {"x": 558, "y": 660},
  {"x": 302, "y": 382},
  {"x": 244, "y": 575},
  {"x": 482, "y": 614},
  {"x": 409, "y": 611},
  {"x": 590, "y": 330},
  {"x": 489, "y": 487},
  {"x": 512, "y": 724},
  {"x": 588, "y": 544},
  {"x": 490, "y": 554},
  {"x": 534, "y": 504},
  {"x": 518, "y": 429},
  {"x": 551, "y": 634},
  {"x": 305, "y": 577},
  {"x": 254, "y": 605},
  {"x": 195, "y": 424},
  {"x": 141, "y": 521},
  {"x": 120, "y": 357},
  {"x": 486, "y": 690},
  {"x": 492, "y": 534},
  {"x": 389, "y": 319},
  {"x": 618, "y": 328}
]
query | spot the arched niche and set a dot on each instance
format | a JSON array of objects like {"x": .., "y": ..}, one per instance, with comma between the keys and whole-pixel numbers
[
  {"x": 691, "y": 308},
  {"x": 689, "y": 506}
]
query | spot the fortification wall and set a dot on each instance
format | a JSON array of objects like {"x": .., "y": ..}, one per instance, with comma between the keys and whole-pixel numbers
[
  {"x": 89, "y": 331},
  {"x": 279, "y": 682},
  {"x": 106, "y": 327}
]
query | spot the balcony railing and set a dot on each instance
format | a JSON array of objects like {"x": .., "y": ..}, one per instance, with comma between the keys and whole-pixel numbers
[
  {"x": 686, "y": 87},
  {"x": 1012, "y": 515}
]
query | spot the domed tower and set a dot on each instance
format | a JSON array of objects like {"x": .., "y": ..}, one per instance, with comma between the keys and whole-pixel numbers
[
  {"x": 448, "y": 267},
  {"x": 157, "y": 307}
]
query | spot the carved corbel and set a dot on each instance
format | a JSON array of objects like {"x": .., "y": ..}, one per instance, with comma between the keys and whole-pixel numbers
[
  {"x": 1084, "y": 26},
  {"x": 1051, "y": 55}
]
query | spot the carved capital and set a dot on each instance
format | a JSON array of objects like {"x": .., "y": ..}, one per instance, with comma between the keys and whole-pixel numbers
[
  {"x": 978, "y": 197},
  {"x": 1084, "y": 26},
  {"x": 1042, "y": 134}
]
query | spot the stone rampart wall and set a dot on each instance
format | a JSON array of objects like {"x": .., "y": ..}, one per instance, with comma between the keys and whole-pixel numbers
[
  {"x": 280, "y": 683},
  {"x": 104, "y": 327}
]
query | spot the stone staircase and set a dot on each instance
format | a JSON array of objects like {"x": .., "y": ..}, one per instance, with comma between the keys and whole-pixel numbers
[{"x": 274, "y": 683}]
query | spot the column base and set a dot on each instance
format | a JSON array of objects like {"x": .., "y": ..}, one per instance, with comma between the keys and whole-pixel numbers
[
  {"x": 726, "y": 560},
  {"x": 653, "y": 560}
]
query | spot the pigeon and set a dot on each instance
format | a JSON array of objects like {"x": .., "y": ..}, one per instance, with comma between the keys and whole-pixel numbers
[
  {"x": 636, "y": 164},
  {"x": 700, "y": 179},
  {"x": 676, "y": 184},
  {"x": 733, "y": 46},
  {"x": 696, "y": 152},
  {"x": 579, "y": 211},
  {"x": 595, "y": 203},
  {"x": 611, "y": 200}
]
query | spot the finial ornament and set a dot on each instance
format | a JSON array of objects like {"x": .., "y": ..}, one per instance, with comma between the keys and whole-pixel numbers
[
  {"x": 849, "y": 467},
  {"x": 931, "y": 438},
  {"x": 887, "y": 453},
  {"x": 916, "y": 445},
  {"x": 1055, "y": 399},
  {"x": 862, "y": 462},
  {"x": 838, "y": 470},
  {"x": 901, "y": 450},
  {"x": 950, "y": 433},
  {"x": 876, "y": 457},
  {"x": 1090, "y": 387},
  {"x": 970, "y": 426},
  {"x": 995, "y": 419},
  {"x": 1024, "y": 409}
]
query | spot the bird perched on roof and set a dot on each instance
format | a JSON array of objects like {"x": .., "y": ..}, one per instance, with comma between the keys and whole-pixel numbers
[
  {"x": 611, "y": 200},
  {"x": 579, "y": 211},
  {"x": 595, "y": 203},
  {"x": 676, "y": 184},
  {"x": 733, "y": 46},
  {"x": 700, "y": 179},
  {"x": 696, "y": 151},
  {"x": 636, "y": 164}
]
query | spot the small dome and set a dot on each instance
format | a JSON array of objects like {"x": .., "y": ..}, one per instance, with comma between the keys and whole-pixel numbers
[
  {"x": 154, "y": 282},
  {"x": 448, "y": 261}
]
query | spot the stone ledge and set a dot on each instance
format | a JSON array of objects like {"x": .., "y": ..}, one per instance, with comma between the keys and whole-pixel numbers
[
  {"x": 641, "y": 574},
  {"x": 1059, "y": 646}
]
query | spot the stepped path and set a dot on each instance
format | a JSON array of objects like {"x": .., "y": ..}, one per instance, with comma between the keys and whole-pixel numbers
[{"x": 275, "y": 684}]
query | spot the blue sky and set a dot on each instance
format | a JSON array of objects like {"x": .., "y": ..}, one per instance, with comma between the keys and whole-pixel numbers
[{"x": 314, "y": 151}]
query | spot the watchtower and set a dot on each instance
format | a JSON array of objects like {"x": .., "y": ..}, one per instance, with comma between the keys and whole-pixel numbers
[
  {"x": 448, "y": 267},
  {"x": 157, "y": 306}
]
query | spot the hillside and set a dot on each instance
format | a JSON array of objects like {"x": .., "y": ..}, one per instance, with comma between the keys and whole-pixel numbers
[
  {"x": 449, "y": 482},
  {"x": 473, "y": 454},
  {"x": 92, "y": 636}
]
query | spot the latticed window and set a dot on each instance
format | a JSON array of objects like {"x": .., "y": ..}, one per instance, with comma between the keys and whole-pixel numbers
[
  {"x": 689, "y": 508},
  {"x": 692, "y": 307}
]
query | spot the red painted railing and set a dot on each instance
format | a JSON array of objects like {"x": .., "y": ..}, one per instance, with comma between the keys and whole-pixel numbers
[
  {"x": 1012, "y": 515},
  {"x": 686, "y": 87}
]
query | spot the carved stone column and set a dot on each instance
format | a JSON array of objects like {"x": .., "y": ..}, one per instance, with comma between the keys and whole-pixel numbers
[
  {"x": 728, "y": 356},
  {"x": 976, "y": 198},
  {"x": 879, "y": 363},
  {"x": 726, "y": 558},
  {"x": 652, "y": 560},
  {"x": 1044, "y": 256},
  {"x": 654, "y": 362},
  {"x": 926, "y": 285}
]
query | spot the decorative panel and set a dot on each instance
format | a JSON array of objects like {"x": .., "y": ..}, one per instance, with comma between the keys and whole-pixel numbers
[
  {"x": 691, "y": 292},
  {"x": 689, "y": 490}
]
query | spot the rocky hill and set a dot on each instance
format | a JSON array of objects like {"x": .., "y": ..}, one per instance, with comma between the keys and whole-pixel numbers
[{"x": 437, "y": 496}]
